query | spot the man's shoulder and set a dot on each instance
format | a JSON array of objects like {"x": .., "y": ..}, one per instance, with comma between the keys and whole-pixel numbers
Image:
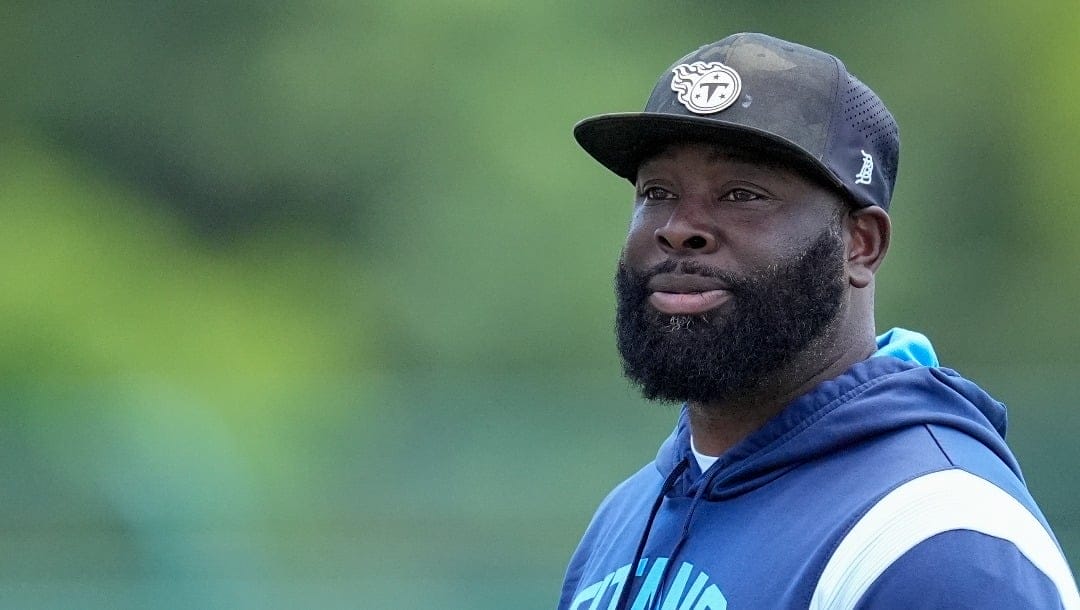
[
  {"x": 631, "y": 493},
  {"x": 964, "y": 569},
  {"x": 952, "y": 528}
]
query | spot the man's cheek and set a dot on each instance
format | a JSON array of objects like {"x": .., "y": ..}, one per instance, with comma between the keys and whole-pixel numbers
[{"x": 639, "y": 240}]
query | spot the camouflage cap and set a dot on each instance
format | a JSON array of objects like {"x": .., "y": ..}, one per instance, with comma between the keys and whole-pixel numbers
[{"x": 760, "y": 92}]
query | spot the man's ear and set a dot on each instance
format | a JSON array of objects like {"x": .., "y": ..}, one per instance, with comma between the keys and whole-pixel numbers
[{"x": 866, "y": 238}]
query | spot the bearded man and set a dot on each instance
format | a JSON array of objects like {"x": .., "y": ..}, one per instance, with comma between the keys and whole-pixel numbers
[{"x": 814, "y": 465}]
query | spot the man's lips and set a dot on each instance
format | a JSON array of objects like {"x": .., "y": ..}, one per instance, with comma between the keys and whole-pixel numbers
[
  {"x": 685, "y": 294},
  {"x": 687, "y": 303}
]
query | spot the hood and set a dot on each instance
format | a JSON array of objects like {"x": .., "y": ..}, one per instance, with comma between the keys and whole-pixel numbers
[{"x": 898, "y": 387}]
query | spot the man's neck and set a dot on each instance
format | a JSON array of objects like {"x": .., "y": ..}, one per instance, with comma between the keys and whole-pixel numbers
[{"x": 716, "y": 427}]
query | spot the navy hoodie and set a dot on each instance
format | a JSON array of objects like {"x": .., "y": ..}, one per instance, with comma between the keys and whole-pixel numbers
[{"x": 889, "y": 486}]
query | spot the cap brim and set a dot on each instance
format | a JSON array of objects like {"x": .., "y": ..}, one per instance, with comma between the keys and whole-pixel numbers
[{"x": 621, "y": 141}]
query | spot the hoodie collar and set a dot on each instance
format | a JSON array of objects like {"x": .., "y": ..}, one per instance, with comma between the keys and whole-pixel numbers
[{"x": 844, "y": 410}]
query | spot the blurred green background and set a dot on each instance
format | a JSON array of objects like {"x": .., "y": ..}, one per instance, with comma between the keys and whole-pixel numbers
[{"x": 307, "y": 303}]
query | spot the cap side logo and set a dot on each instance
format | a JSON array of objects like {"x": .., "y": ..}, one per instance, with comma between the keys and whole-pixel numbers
[
  {"x": 705, "y": 88},
  {"x": 866, "y": 172}
]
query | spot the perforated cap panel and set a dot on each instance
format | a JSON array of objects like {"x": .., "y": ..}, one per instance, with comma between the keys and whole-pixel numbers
[{"x": 866, "y": 113}]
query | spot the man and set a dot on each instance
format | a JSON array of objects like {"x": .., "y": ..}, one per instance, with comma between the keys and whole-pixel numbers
[{"x": 813, "y": 466}]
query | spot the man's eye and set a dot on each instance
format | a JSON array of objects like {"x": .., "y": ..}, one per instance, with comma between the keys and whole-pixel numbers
[
  {"x": 742, "y": 195},
  {"x": 656, "y": 193}
]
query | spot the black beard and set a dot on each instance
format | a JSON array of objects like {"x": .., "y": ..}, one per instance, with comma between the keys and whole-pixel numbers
[{"x": 725, "y": 354}]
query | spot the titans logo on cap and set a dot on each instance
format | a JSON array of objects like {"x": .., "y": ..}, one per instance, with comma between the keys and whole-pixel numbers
[{"x": 705, "y": 88}]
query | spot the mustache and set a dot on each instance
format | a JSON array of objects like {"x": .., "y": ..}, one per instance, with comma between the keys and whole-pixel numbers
[{"x": 734, "y": 282}]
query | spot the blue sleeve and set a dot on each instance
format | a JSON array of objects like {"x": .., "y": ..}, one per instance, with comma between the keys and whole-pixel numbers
[{"x": 962, "y": 569}]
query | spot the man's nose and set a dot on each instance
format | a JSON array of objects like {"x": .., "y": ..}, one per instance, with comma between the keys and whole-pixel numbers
[{"x": 686, "y": 232}]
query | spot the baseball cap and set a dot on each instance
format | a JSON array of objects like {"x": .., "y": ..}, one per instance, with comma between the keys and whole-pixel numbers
[{"x": 760, "y": 92}]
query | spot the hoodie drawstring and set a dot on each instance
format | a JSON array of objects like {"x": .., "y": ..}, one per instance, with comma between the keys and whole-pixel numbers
[
  {"x": 683, "y": 535},
  {"x": 669, "y": 482}
]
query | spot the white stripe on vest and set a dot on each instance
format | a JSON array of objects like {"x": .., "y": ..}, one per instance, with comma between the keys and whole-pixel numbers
[{"x": 924, "y": 507}]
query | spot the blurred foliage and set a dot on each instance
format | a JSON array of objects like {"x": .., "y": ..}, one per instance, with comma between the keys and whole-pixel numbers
[{"x": 307, "y": 303}]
